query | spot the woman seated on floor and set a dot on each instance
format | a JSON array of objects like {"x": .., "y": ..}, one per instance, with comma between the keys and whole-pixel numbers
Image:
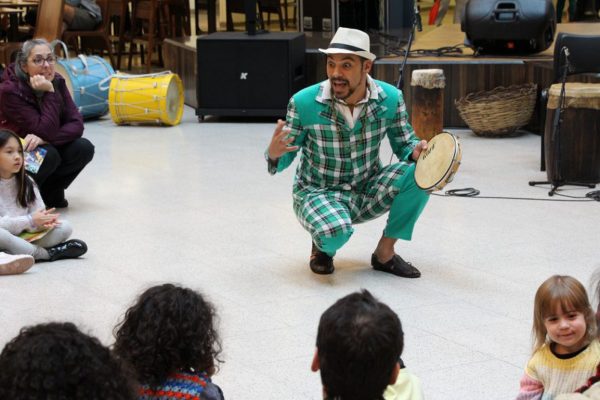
[{"x": 35, "y": 103}]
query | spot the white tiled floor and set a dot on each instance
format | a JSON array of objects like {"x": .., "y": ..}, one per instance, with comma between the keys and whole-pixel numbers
[{"x": 194, "y": 204}]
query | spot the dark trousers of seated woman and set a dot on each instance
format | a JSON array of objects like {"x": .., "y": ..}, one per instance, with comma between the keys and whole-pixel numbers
[{"x": 60, "y": 167}]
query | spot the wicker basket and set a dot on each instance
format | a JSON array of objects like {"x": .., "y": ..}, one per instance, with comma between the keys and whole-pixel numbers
[{"x": 500, "y": 111}]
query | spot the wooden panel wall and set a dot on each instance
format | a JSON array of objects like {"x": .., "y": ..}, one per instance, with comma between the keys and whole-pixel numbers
[{"x": 179, "y": 56}]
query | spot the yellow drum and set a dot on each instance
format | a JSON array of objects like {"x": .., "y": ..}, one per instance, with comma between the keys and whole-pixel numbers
[{"x": 146, "y": 99}]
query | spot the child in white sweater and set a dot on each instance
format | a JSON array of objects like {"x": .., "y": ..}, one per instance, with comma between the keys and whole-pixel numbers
[{"x": 22, "y": 210}]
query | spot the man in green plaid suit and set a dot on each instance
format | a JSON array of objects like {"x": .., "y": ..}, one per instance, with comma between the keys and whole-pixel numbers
[{"x": 338, "y": 125}]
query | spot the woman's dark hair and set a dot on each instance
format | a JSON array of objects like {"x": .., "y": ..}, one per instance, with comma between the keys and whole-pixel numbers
[
  {"x": 58, "y": 361},
  {"x": 168, "y": 329},
  {"x": 26, "y": 194}
]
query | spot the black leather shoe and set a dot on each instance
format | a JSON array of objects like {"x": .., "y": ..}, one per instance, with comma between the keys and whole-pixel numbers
[
  {"x": 61, "y": 203},
  {"x": 320, "y": 263},
  {"x": 396, "y": 266},
  {"x": 69, "y": 249}
]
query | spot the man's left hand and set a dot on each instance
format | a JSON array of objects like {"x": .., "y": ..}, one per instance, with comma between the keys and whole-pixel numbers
[{"x": 422, "y": 145}]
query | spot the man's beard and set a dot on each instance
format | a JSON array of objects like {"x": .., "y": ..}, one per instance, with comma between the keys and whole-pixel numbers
[{"x": 347, "y": 83}]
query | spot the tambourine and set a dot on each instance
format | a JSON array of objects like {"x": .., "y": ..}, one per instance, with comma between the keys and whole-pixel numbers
[{"x": 437, "y": 164}]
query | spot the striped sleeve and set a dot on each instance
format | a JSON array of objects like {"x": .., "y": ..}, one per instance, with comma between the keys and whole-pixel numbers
[{"x": 530, "y": 389}]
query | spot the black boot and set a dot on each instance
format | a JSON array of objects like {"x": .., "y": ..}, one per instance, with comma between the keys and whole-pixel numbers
[
  {"x": 320, "y": 263},
  {"x": 69, "y": 249}
]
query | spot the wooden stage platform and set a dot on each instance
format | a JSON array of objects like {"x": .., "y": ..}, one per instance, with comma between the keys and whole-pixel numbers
[{"x": 464, "y": 74}]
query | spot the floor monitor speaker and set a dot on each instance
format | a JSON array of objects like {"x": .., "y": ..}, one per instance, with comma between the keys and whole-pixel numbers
[
  {"x": 509, "y": 26},
  {"x": 242, "y": 75}
]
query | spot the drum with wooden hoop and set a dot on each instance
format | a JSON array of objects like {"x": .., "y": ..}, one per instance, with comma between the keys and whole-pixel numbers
[
  {"x": 84, "y": 76},
  {"x": 146, "y": 99},
  {"x": 437, "y": 165},
  {"x": 573, "y": 155}
]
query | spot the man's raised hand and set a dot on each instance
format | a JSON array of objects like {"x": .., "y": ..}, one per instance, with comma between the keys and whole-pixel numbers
[{"x": 280, "y": 143}]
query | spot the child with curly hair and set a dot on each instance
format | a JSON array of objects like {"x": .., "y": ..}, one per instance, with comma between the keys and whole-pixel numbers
[
  {"x": 566, "y": 348},
  {"x": 168, "y": 338},
  {"x": 58, "y": 361}
]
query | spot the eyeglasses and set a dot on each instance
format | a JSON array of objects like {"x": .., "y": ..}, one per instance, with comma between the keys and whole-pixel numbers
[{"x": 51, "y": 60}]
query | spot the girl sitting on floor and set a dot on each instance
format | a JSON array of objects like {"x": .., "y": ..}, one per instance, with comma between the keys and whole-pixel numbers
[
  {"x": 22, "y": 210},
  {"x": 566, "y": 349}
]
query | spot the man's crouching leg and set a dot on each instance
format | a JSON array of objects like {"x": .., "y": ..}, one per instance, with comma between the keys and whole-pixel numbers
[
  {"x": 329, "y": 224},
  {"x": 405, "y": 210},
  {"x": 323, "y": 250}
]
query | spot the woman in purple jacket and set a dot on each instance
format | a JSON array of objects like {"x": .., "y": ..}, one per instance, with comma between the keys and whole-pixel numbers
[{"x": 35, "y": 103}]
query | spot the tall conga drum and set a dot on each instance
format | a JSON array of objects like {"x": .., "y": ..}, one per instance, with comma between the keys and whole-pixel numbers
[
  {"x": 427, "y": 115},
  {"x": 573, "y": 155}
]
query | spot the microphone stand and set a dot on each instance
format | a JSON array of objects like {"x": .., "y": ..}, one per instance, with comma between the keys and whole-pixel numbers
[
  {"x": 557, "y": 122},
  {"x": 557, "y": 180},
  {"x": 415, "y": 25}
]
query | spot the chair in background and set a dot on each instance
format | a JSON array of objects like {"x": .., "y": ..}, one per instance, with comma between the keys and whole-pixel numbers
[
  {"x": 96, "y": 38},
  {"x": 119, "y": 21},
  {"x": 177, "y": 16},
  {"x": 264, "y": 6},
  {"x": 233, "y": 7},
  {"x": 286, "y": 6},
  {"x": 146, "y": 30},
  {"x": 210, "y": 7},
  {"x": 576, "y": 58},
  {"x": 270, "y": 7},
  {"x": 48, "y": 26}
]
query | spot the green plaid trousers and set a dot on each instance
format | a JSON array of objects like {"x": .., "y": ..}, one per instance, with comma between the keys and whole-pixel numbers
[
  {"x": 328, "y": 215},
  {"x": 340, "y": 180}
]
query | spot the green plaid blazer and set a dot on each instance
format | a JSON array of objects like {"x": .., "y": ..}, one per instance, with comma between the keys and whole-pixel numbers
[{"x": 336, "y": 157}]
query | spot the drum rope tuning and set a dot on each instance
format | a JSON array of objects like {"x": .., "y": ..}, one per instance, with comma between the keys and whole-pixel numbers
[
  {"x": 148, "y": 98},
  {"x": 85, "y": 77}
]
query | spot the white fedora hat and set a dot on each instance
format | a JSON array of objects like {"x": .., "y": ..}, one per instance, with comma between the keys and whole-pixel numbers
[{"x": 350, "y": 41}]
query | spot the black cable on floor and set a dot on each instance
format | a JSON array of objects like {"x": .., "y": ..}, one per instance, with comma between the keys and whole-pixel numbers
[{"x": 472, "y": 192}]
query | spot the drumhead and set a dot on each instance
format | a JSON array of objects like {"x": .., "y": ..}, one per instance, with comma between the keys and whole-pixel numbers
[
  {"x": 174, "y": 100},
  {"x": 437, "y": 162},
  {"x": 64, "y": 72}
]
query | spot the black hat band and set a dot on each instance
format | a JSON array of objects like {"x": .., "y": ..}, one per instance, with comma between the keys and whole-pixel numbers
[{"x": 345, "y": 47}]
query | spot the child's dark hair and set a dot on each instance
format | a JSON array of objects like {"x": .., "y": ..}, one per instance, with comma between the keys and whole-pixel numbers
[
  {"x": 26, "y": 194},
  {"x": 58, "y": 361},
  {"x": 359, "y": 342},
  {"x": 168, "y": 329}
]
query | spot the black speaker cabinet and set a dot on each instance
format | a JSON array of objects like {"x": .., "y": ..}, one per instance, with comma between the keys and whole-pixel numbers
[
  {"x": 509, "y": 26},
  {"x": 399, "y": 18},
  {"x": 249, "y": 75}
]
